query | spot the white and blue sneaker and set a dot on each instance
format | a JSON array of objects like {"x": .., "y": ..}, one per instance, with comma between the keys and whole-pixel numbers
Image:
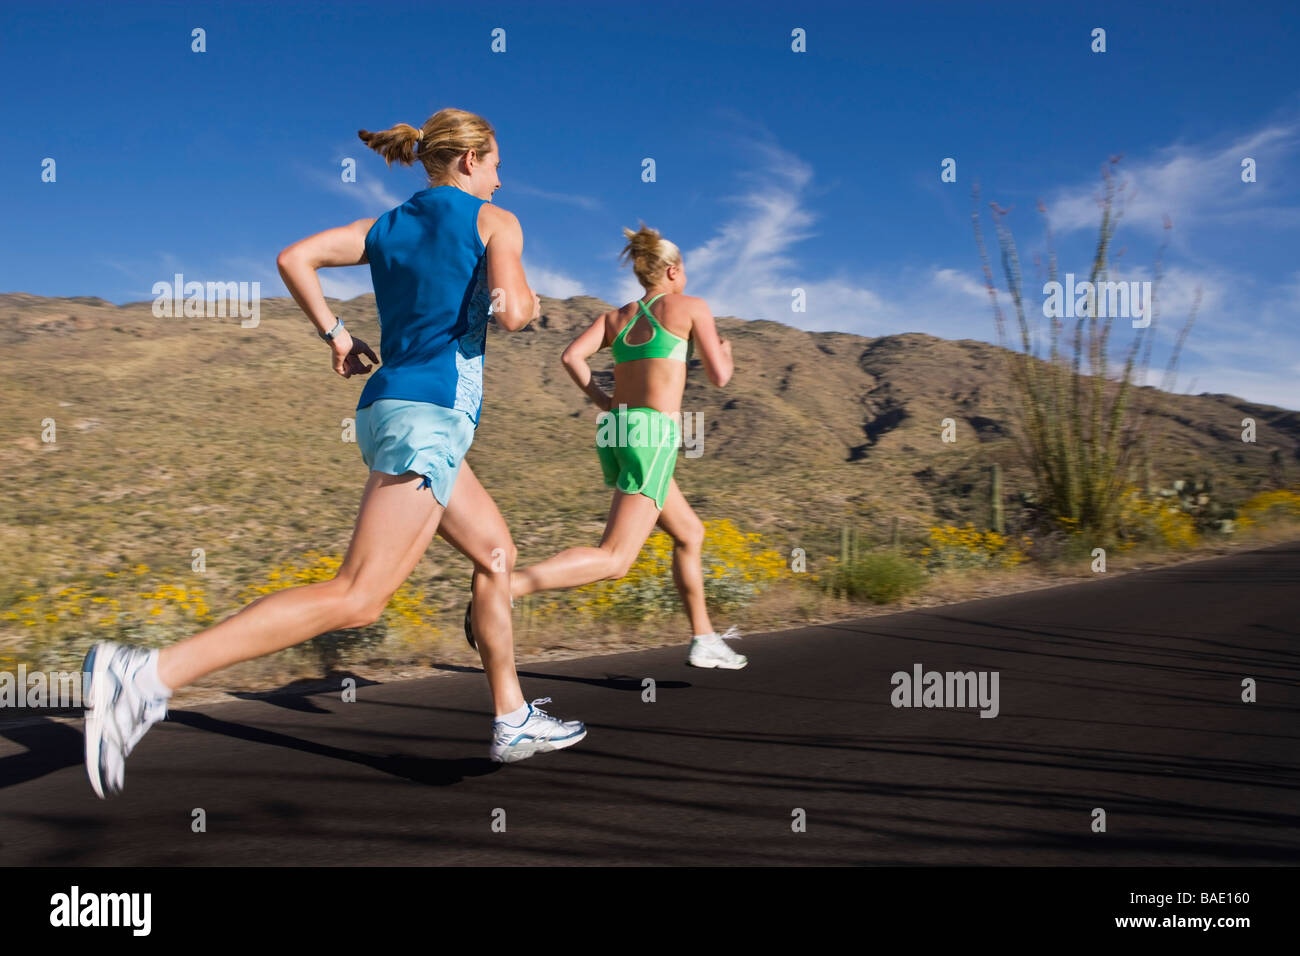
[
  {"x": 711, "y": 650},
  {"x": 117, "y": 713},
  {"x": 538, "y": 734}
]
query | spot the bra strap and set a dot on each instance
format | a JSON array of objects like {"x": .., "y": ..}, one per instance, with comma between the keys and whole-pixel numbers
[{"x": 645, "y": 307}]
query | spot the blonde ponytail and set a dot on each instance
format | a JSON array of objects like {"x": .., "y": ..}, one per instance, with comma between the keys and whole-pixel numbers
[
  {"x": 445, "y": 136},
  {"x": 650, "y": 254}
]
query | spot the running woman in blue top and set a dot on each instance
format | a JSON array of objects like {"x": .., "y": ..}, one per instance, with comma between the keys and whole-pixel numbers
[{"x": 433, "y": 260}]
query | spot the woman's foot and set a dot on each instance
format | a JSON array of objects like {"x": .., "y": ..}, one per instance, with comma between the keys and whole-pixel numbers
[
  {"x": 539, "y": 733},
  {"x": 711, "y": 650},
  {"x": 118, "y": 712}
]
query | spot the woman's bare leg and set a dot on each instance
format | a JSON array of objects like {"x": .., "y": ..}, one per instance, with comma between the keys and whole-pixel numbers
[
  {"x": 687, "y": 531},
  {"x": 396, "y": 521},
  {"x": 473, "y": 526},
  {"x": 631, "y": 519}
]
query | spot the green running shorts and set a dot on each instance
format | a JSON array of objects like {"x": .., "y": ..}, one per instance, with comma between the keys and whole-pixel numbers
[{"x": 638, "y": 450}]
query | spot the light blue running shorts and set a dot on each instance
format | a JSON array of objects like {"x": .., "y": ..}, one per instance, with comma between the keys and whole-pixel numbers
[{"x": 397, "y": 436}]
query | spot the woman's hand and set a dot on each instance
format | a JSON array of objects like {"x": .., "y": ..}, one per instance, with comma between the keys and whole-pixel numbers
[{"x": 347, "y": 355}]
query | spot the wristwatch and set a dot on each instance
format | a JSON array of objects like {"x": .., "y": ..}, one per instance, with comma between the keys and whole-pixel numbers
[{"x": 329, "y": 336}]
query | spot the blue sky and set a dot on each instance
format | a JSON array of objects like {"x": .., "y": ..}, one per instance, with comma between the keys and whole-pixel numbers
[{"x": 775, "y": 169}]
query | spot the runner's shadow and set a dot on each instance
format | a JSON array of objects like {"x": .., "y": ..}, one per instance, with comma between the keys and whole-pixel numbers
[
  {"x": 612, "y": 681},
  {"x": 424, "y": 770},
  {"x": 51, "y": 746},
  {"x": 296, "y": 694}
]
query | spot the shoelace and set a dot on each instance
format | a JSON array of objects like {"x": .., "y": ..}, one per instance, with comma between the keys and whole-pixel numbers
[
  {"x": 149, "y": 713},
  {"x": 154, "y": 710},
  {"x": 732, "y": 634},
  {"x": 533, "y": 711}
]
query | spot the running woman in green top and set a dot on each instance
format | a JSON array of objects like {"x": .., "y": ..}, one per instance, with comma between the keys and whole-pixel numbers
[{"x": 637, "y": 436}]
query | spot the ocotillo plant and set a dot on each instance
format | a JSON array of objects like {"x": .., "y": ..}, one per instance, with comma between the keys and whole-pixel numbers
[
  {"x": 848, "y": 557},
  {"x": 1077, "y": 429},
  {"x": 850, "y": 539},
  {"x": 995, "y": 498}
]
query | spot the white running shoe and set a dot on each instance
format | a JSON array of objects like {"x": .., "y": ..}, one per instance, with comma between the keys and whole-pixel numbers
[
  {"x": 539, "y": 733},
  {"x": 711, "y": 650},
  {"x": 117, "y": 714}
]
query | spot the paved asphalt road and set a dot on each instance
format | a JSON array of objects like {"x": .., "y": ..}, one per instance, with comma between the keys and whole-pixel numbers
[{"x": 1122, "y": 693}]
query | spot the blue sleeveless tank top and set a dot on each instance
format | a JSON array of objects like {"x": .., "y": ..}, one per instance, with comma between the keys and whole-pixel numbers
[{"x": 429, "y": 270}]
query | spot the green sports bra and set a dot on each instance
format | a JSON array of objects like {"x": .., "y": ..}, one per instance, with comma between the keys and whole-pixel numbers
[{"x": 663, "y": 344}]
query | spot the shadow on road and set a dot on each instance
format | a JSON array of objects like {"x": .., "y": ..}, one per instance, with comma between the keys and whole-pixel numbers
[
  {"x": 295, "y": 695},
  {"x": 610, "y": 681},
  {"x": 51, "y": 746},
  {"x": 426, "y": 770}
]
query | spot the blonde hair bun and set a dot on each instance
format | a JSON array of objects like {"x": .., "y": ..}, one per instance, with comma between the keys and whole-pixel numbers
[{"x": 649, "y": 253}]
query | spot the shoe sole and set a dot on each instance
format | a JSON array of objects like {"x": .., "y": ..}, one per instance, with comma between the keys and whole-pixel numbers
[
  {"x": 516, "y": 754},
  {"x": 718, "y": 664},
  {"x": 96, "y": 665}
]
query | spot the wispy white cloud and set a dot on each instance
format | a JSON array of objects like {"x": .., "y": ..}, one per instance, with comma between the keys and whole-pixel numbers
[
  {"x": 1195, "y": 185},
  {"x": 553, "y": 283},
  {"x": 345, "y": 283},
  {"x": 371, "y": 194},
  {"x": 572, "y": 199},
  {"x": 749, "y": 268}
]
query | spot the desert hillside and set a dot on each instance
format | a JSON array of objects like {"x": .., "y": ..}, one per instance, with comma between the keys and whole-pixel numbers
[{"x": 174, "y": 434}]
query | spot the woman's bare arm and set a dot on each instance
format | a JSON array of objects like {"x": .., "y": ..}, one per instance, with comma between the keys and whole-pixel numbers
[
  {"x": 513, "y": 303},
  {"x": 714, "y": 350},
  {"x": 344, "y": 246},
  {"x": 575, "y": 361}
]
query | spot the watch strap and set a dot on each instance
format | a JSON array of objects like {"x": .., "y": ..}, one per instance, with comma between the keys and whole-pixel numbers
[{"x": 329, "y": 336}]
